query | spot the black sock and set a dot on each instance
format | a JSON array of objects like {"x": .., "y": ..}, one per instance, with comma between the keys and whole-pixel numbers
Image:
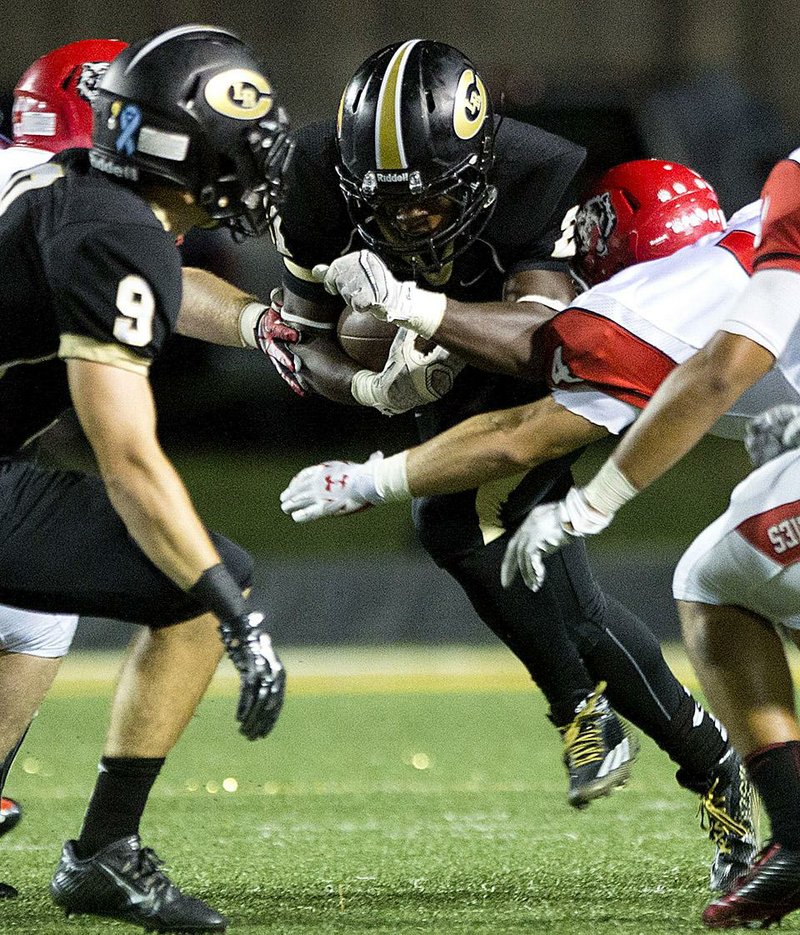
[
  {"x": 642, "y": 688},
  {"x": 775, "y": 772},
  {"x": 118, "y": 801}
]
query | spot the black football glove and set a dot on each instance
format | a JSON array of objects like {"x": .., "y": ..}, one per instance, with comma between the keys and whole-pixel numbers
[{"x": 263, "y": 678}]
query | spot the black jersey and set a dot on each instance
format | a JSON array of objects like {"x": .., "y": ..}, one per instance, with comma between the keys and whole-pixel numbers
[
  {"x": 535, "y": 174},
  {"x": 88, "y": 272}
]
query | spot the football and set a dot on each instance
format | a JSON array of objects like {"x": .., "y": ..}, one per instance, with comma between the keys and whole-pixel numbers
[{"x": 365, "y": 339}]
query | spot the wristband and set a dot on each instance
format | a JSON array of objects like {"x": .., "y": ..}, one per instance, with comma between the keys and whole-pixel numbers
[
  {"x": 391, "y": 477},
  {"x": 555, "y": 305},
  {"x": 427, "y": 310},
  {"x": 248, "y": 322},
  {"x": 609, "y": 489},
  {"x": 362, "y": 388},
  {"x": 215, "y": 590}
]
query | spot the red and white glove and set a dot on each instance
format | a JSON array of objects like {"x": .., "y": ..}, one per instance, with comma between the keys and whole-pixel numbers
[
  {"x": 336, "y": 488},
  {"x": 333, "y": 488},
  {"x": 273, "y": 337}
]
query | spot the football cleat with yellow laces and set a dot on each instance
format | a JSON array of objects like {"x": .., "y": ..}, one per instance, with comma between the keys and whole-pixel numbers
[{"x": 599, "y": 750}]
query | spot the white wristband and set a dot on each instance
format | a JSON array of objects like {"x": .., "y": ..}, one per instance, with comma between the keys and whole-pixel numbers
[
  {"x": 362, "y": 388},
  {"x": 609, "y": 489},
  {"x": 428, "y": 310},
  {"x": 391, "y": 477},
  {"x": 248, "y": 319}
]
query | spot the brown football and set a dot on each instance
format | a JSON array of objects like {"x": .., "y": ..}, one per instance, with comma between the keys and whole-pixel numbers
[{"x": 365, "y": 339}]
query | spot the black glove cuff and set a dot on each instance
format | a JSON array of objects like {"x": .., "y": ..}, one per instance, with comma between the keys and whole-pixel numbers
[{"x": 215, "y": 590}]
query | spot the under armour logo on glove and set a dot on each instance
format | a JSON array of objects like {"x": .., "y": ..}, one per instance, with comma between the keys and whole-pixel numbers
[
  {"x": 333, "y": 488},
  {"x": 340, "y": 481}
]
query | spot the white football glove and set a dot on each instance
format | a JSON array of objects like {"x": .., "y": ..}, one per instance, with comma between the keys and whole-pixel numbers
[
  {"x": 366, "y": 284},
  {"x": 410, "y": 377},
  {"x": 547, "y": 529},
  {"x": 773, "y": 432},
  {"x": 333, "y": 488}
]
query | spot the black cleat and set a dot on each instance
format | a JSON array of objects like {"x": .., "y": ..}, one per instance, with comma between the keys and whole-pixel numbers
[
  {"x": 125, "y": 881},
  {"x": 598, "y": 750},
  {"x": 10, "y": 814},
  {"x": 764, "y": 895},
  {"x": 7, "y": 891},
  {"x": 728, "y": 809}
]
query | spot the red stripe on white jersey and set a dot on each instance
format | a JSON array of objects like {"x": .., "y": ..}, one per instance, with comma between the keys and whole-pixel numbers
[
  {"x": 582, "y": 347},
  {"x": 775, "y": 533}
]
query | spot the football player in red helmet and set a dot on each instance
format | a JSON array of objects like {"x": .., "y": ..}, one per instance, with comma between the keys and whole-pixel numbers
[
  {"x": 53, "y": 98},
  {"x": 641, "y": 210}
]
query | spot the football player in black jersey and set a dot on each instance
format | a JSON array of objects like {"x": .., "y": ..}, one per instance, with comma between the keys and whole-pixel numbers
[
  {"x": 187, "y": 132},
  {"x": 466, "y": 211}
]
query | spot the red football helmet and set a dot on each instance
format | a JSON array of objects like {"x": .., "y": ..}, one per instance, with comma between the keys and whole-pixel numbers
[
  {"x": 53, "y": 99},
  {"x": 641, "y": 210}
]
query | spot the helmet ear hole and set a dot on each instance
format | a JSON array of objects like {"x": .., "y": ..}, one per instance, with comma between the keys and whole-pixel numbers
[
  {"x": 430, "y": 101},
  {"x": 357, "y": 100},
  {"x": 633, "y": 202}
]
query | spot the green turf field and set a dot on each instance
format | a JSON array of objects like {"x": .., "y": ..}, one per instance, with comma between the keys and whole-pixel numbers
[{"x": 419, "y": 791}]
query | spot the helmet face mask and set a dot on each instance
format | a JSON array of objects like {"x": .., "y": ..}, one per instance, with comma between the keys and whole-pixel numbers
[
  {"x": 416, "y": 143},
  {"x": 638, "y": 211},
  {"x": 191, "y": 108}
]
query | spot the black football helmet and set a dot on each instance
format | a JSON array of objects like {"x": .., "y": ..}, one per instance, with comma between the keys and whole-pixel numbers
[
  {"x": 416, "y": 129},
  {"x": 192, "y": 107}
]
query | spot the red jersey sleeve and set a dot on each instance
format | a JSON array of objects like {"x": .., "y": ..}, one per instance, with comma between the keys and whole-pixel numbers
[
  {"x": 779, "y": 244},
  {"x": 579, "y": 346}
]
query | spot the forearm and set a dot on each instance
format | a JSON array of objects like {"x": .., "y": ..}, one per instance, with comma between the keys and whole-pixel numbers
[
  {"x": 688, "y": 404},
  {"x": 155, "y": 507},
  {"x": 326, "y": 369},
  {"x": 210, "y": 309},
  {"x": 497, "y": 444},
  {"x": 496, "y": 336}
]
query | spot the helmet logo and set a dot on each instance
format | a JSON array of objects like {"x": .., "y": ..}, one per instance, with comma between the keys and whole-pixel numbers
[
  {"x": 239, "y": 93},
  {"x": 130, "y": 119},
  {"x": 471, "y": 105},
  {"x": 91, "y": 73},
  {"x": 594, "y": 224}
]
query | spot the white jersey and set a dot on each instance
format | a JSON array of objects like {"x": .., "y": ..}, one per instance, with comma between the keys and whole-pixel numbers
[
  {"x": 768, "y": 312},
  {"x": 611, "y": 349},
  {"x": 16, "y": 158}
]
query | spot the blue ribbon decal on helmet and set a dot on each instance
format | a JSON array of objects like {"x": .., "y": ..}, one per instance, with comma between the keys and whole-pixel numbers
[{"x": 129, "y": 122}]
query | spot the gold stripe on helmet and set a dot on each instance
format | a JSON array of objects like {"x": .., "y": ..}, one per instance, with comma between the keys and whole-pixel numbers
[{"x": 389, "y": 147}]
